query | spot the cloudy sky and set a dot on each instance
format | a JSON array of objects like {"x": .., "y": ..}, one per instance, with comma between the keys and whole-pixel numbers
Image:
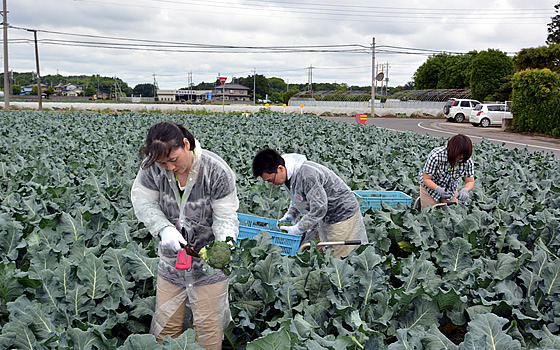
[{"x": 170, "y": 40}]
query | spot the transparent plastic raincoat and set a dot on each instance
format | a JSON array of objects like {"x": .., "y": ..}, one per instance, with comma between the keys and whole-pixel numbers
[
  {"x": 208, "y": 212},
  {"x": 325, "y": 202}
]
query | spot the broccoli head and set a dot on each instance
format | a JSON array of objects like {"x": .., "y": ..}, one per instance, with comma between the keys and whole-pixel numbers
[{"x": 217, "y": 254}]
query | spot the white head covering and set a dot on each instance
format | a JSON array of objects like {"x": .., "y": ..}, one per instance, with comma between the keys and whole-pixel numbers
[{"x": 293, "y": 162}]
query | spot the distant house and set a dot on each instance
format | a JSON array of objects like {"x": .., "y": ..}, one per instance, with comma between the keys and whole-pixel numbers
[
  {"x": 58, "y": 88},
  {"x": 71, "y": 90},
  {"x": 26, "y": 89},
  {"x": 232, "y": 93},
  {"x": 193, "y": 96}
]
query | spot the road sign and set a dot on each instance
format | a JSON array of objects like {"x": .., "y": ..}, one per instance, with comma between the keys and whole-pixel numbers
[
  {"x": 380, "y": 76},
  {"x": 223, "y": 80}
]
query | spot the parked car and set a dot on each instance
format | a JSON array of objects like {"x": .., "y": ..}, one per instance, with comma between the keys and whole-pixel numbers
[
  {"x": 487, "y": 114},
  {"x": 458, "y": 110}
]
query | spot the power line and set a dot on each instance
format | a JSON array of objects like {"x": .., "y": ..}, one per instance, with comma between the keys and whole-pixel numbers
[
  {"x": 352, "y": 12},
  {"x": 174, "y": 46}
]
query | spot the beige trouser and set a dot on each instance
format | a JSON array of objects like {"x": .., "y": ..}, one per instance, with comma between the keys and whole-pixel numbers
[
  {"x": 426, "y": 199},
  {"x": 349, "y": 229},
  {"x": 208, "y": 306}
]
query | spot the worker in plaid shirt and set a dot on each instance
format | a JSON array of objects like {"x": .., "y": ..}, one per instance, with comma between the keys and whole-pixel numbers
[{"x": 439, "y": 181}]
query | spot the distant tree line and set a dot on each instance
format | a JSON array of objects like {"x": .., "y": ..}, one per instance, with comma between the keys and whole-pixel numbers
[{"x": 92, "y": 84}]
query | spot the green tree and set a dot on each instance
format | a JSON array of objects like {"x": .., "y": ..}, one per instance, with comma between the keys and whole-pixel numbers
[
  {"x": 90, "y": 91},
  {"x": 276, "y": 84},
  {"x": 146, "y": 90},
  {"x": 427, "y": 75},
  {"x": 275, "y": 97},
  {"x": 444, "y": 71},
  {"x": 487, "y": 71},
  {"x": 260, "y": 82},
  {"x": 203, "y": 86},
  {"x": 538, "y": 58},
  {"x": 554, "y": 28},
  {"x": 16, "y": 89},
  {"x": 456, "y": 74},
  {"x": 536, "y": 101},
  {"x": 288, "y": 94}
]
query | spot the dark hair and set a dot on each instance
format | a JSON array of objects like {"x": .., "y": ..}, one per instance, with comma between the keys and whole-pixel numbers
[
  {"x": 163, "y": 138},
  {"x": 457, "y": 145},
  {"x": 266, "y": 161}
]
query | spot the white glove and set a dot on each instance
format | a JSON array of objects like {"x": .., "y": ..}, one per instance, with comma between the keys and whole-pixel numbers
[
  {"x": 443, "y": 193},
  {"x": 463, "y": 195},
  {"x": 292, "y": 230},
  {"x": 171, "y": 239},
  {"x": 285, "y": 218}
]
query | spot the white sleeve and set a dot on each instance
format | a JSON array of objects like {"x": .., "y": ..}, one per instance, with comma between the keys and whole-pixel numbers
[
  {"x": 225, "y": 222},
  {"x": 146, "y": 207}
]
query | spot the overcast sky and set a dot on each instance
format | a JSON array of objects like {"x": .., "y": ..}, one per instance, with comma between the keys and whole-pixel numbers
[{"x": 139, "y": 40}]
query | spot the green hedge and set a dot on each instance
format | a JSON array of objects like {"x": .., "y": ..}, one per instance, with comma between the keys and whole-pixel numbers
[{"x": 536, "y": 101}]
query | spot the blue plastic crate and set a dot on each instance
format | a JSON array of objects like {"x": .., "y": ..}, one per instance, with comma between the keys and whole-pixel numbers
[
  {"x": 251, "y": 225},
  {"x": 373, "y": 199}
]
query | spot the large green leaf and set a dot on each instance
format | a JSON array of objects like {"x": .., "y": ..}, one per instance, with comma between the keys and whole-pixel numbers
[
  {"x": 35, "y": 315},
  {"x": 10, "y": 288},
  {"x": 454, "y": 256},
  {"x": 84, "y": 340},
  {"x": 11, "y": 234},
  {"x": 268, "y": 270},
  {"x": 94, "y": 276},
  {"x": 423, "y": 314},
  {"x": 21, "y": 336},
  {"x": 551, "y": 278},
  {"x": 279, "y": 340},
  {"x": 491, "y": 326},
  {"x": 340, "y": 273},
  {"x": 502, "y": 267},
  {"x": 141, "y": 265},
  {"x": 435, "y": 340},
  {"x": 119, "y": 274}
]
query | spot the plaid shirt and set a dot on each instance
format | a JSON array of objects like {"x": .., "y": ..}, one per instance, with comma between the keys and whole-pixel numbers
[{"x": 442, "y": 173}]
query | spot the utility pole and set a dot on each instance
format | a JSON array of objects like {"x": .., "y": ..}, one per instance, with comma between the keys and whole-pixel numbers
[
  {"x": 373, "y": 78},
  {"x": 254, "y": 85},
  {"x": 387, "y": 80},
  {"x": 39, "y": 87},
  {"x": 6, "y": 78},
  {"x": 156, "y": 87},
  {"x": 189, "y": 79},
  {"x": 310, "y": 79}
]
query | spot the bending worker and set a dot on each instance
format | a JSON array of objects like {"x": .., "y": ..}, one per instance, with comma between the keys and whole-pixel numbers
[
  {"x": 318, "y": 194},
  {"x": 439, "y": 181},
  {"x": 184, "y": 188}
]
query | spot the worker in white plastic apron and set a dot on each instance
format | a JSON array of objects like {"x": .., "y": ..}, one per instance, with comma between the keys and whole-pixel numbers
[
  {"x": 322, "y": 199},
  {"x": 180, "y": 185},
  {"x": 439, "y": 180}
]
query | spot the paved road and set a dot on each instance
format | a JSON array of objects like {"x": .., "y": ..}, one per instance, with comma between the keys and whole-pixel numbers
[{"x": 441, "y": 128}]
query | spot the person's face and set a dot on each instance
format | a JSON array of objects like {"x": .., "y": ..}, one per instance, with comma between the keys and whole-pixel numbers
[
  {"x": 179, "y": 160},
  {"x": 278, "y": 178}
]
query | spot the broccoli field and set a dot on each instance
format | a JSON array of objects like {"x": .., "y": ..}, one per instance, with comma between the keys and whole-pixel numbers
[{"x": 78, "y": 270}]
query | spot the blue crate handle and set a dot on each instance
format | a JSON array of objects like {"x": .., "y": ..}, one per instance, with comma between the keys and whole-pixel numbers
[{"x": 251, "y": 225}]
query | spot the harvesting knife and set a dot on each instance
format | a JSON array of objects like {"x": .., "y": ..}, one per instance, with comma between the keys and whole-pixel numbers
[{"x": 190, "y": 251}]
